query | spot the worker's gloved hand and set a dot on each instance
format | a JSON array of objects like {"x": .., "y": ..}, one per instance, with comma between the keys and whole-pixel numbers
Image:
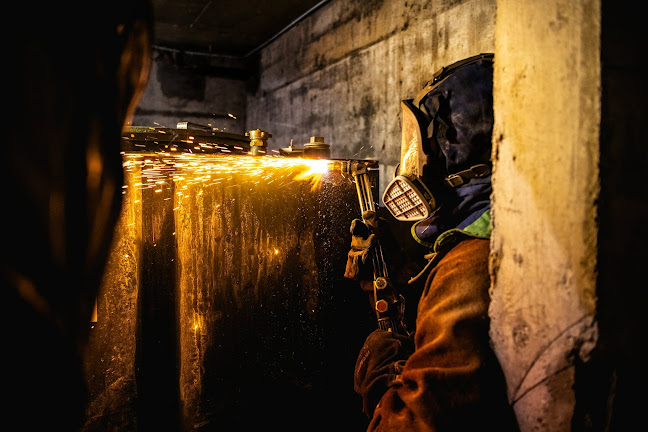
[
  {"x": 377, "y": 224},
  {"x": 379, "y": 365},
  {"x": 359, "y": 265}
]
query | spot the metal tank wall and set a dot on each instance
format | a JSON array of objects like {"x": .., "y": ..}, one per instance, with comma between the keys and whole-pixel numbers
[
  {"x": 224, "y": 303},
  {"x": 110, "y": 359}
]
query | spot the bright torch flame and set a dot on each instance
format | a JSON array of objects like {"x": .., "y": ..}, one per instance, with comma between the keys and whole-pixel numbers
[{"x": 316, "y": 170}]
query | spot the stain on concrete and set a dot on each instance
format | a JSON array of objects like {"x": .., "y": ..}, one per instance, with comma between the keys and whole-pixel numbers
[
  {"x": 298, "y": 92},
  {"x": 559, "y": 22},
  {"x": 518, "y": 258},
  {"x": 178, "y": 82},
  {"x": 369, "y": 8},
  {"x": 521, "y": 334}
]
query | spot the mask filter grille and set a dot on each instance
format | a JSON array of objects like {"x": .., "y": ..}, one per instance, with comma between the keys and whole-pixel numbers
[{"x": 408, "y": 199}]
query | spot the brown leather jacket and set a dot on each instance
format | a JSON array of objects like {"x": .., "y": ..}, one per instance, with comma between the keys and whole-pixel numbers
[{"x": 452, "y": 380}]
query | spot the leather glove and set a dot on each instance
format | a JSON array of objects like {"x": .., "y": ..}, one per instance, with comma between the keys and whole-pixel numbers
[
  {"x": 359, "y": 266},
  {"x": 379, "y": 366}
]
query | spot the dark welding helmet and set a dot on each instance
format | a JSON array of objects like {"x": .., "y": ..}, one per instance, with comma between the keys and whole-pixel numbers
[{"x": 446, "y": 138}]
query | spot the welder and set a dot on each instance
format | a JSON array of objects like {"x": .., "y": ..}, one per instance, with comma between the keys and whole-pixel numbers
[{"x": 441, "y": 375}]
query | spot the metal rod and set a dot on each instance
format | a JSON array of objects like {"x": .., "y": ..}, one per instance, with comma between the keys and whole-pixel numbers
[
  {"x": 366, "y": 203},
  {"x": 368, "y": 194},
  {"x": 360, "y": 194},
  {"x": 384, "y": 264}
]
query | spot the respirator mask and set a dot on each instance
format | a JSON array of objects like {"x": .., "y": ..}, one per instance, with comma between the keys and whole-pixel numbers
[{"x": 445, "y": 141}]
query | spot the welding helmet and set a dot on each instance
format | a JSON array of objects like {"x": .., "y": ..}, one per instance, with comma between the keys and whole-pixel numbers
[{"x": 446, "y": 138}]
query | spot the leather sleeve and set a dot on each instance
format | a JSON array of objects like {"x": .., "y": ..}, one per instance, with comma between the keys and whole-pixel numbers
[{"x": 452, "y": 381}]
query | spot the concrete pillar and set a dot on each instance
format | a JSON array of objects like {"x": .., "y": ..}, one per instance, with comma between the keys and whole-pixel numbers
[{"x": 546, "y": 184}]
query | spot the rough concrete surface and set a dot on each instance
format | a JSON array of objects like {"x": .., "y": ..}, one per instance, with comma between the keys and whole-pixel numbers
[{"x": 546, "y": 100}]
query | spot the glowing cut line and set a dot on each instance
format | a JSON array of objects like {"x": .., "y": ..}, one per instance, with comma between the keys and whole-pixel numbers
[{"x": 159, "y": 169}]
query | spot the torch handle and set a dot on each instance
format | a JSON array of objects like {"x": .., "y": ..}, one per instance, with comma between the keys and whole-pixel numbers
[{"x": 388, "y": 305}]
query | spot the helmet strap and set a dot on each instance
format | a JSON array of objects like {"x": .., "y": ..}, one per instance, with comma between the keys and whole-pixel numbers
[{"x": 475, "y": 171}]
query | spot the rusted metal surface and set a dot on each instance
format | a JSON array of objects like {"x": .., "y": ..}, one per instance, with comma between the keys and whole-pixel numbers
[
  {"x": 110, "y": 358},
  {"x": 225, "y": 302}
]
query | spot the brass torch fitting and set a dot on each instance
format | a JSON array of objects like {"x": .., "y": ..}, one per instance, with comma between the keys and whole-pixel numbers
[
  {"x": 258, "y": 141},
  {"x": 317, "y": 148}
]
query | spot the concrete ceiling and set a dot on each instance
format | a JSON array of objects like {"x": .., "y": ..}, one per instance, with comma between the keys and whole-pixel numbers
[{"x": 236, "y": 28}]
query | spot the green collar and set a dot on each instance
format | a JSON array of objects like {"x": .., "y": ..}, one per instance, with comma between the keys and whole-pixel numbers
[{"x": 481, "y": 228}]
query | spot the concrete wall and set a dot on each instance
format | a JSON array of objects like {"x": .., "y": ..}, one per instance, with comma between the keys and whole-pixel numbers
[
  {"x": 194, "y": 88},
  {"x": 546, "y": 185},
  {"x": 342, "y": 72}
]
